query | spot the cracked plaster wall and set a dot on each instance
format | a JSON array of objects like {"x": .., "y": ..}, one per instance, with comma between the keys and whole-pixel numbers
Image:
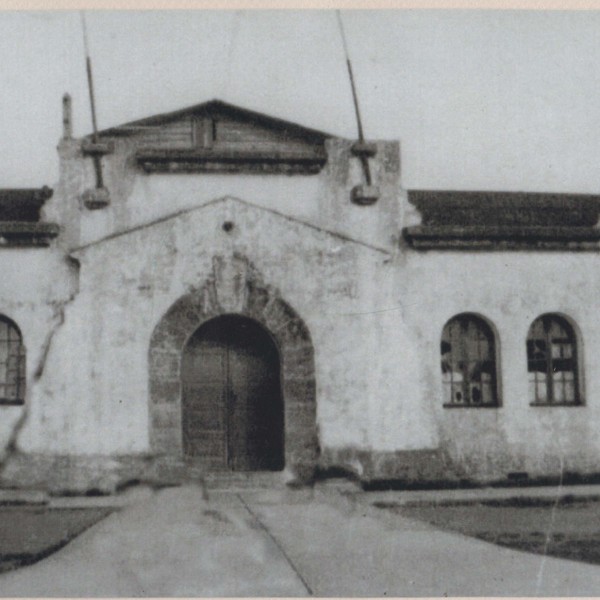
[
  {"x": 104, "y": 391},
  {"x": 36, "y": 285},
  {"x": 375, "y": 317}
]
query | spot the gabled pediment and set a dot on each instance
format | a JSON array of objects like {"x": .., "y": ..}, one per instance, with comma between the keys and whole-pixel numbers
[
  {"x": 216, "y": 136},
  {"x": 219, "y": 212}
]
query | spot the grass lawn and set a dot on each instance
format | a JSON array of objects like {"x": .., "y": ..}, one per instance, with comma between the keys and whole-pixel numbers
[
  {"x": 569, "y": 528},
  {"x": 30, "y": 533}
]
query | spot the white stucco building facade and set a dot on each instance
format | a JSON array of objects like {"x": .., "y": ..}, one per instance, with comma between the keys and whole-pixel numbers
[{"x": 233, "y": 297}]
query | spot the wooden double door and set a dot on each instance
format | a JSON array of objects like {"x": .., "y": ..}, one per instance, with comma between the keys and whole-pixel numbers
[{"x": 232, "y": 407}]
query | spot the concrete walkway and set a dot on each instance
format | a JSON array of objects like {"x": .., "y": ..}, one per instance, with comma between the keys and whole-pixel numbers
[{"x": 283, "y": 543}]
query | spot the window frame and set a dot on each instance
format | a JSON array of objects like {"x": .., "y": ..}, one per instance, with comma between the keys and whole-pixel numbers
[
  {"x": 574, "y": 339},
  {"x": 486, "y": 328},
  {"x": 20, "y": 381}
]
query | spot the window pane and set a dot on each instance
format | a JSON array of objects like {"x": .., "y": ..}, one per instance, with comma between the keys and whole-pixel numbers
[
  {"x": 561, "y": 349},
  {"x": 12, "y": 362},
  {"x": 558, "y": 364},
  {"x": 559, "y": 389},
  {"x": 541, "y": 391},
  {"x": 487, "y": 393},
  {"x": 476, "y": 395},
  {"x": 536, "y": 351},
  {"x": 448, "y": 393},
  {"x": 458, "y": 396},
  {"x": 567, "y": 350},
  {"x": 555, "y": 327},
  {"x": 539, "y": 366},
  {"x": 474, "y": 370},
  {"x": 467, "y": 349},
  {"x": 569, "y": 391}
]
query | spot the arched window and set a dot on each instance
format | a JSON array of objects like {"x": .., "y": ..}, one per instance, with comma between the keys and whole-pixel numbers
[
  {"x": 12, "y": 363},
  {"x": 469, "y": 362},
  {"x": 552, "y": 361}
]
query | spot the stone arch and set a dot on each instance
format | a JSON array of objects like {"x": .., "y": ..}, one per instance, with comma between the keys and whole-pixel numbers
[{"x": 235, "y": 287}]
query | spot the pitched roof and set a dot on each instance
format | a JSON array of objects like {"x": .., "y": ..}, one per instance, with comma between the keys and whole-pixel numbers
[
  {"x": 22, "y": 204},
  {"x": 219, "y": 108}
]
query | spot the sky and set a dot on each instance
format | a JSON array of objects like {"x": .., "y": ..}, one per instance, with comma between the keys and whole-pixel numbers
[{"x": 481, "y": 100}]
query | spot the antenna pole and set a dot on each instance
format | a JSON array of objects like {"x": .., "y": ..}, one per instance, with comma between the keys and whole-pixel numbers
[
  {"x": 88, "y": 65},
  {"x": 363, "y": 159}
]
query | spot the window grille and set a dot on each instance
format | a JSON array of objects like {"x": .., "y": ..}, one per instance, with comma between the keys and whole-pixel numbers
[
  {"x": 469, "y": 363},
  {"x": 12, "y": 364},
  {"x": 552, "y": 362}
]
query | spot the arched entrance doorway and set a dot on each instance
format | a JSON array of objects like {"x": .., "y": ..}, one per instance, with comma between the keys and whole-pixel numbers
[
  {"x": 235, "y": 287},
  {"x": 232, "y": 406}
]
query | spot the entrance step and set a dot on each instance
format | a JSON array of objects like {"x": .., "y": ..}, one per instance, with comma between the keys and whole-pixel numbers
[{"x": 244, "y": 481}]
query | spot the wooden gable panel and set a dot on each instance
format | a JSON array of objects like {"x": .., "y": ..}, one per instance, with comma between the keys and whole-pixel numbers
[
  {"x": 237, "y": 133},
  {"x": 216, "y": 137},
  {"x": 177, "y": 134},
  {"x": 205, "y": 132}
]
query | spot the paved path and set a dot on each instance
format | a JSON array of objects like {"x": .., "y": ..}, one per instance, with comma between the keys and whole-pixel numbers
[
  {"x": 274, "y": 543},
  {"x": 346, "y": 549},
  {"x": 172, "y": 543}
]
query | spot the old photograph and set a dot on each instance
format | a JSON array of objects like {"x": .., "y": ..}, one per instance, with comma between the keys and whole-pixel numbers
[{"x": 299, "y": 303}]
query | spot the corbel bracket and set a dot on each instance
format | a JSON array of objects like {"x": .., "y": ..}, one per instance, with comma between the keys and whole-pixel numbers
[
  {"x": 365, "y": 195},
  {"x": 91, "y": 148}
]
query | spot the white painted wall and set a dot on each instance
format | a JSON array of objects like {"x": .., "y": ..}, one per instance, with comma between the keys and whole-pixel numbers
[
  {"x": 138, "y": 199},
  {"x": 375, "y": 315},
  {"x": 105, "y": 339},
  {"x": 35, "y": 285},
  {"x": 376, "y": 322},
  {"x": 510, "y": 289}
]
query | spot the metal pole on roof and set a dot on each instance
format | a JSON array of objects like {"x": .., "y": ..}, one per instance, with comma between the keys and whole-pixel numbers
[
  {"x": 90, "y": 80},
  {"x": 361, "y": 137}
]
